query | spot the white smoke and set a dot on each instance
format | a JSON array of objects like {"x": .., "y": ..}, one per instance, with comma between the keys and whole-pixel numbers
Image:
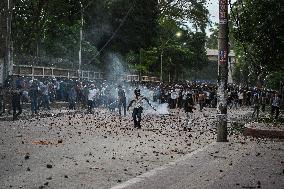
[
  {"x": 161, "y": 108},
  {"x": 116, "y": 69}
]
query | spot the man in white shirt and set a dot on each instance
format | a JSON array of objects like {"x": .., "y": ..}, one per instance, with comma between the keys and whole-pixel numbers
[
  {"x": 275, "y": 105},
  {"x": 241, "y": 97},
  {"x": 173, "y": 99},
  {"x": 91, "y": 96},
  {"x": 137, "y": 102}
]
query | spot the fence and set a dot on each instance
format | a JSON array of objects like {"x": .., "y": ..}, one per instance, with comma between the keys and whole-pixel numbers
[{"x": 39, "y": 71}]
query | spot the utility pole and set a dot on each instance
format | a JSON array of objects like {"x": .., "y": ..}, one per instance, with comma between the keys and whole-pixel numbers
[
  {"x": 2, "y": 44},
  {"x": 222, "y": 72},
  {"x": 7, "y": 58},
  {"x": 163, "y": 46},
  {"x": 140, "y": 64},
  {"x": 80, "y": 43},
  {"x": 161, "y": 71}
]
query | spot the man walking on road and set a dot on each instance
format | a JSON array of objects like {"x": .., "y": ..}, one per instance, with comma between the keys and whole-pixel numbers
[
  {"x": 16, "y": 103},
  {"x": 275, "y": 106},
  {"x": 256, "y": 105},
  {"x": 45, "y": 95},
  {"x": 34, "y": 93},
  {"x": 188, "y": 108},
  {"x": 121, "y": 100},
  {"x": 201, "y": 100},
  {"x": 138, "y": 107},
  {"x": 92, "y": 92}
]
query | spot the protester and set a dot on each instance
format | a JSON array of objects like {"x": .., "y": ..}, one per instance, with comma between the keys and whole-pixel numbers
[
  {"x": 45, "y": 95},
  {"x": 188, "y": 108},
  {"x": 256, "y": 105},
  {"x": 33, "y": 94},
  {"x": 72, "y": 96},
  {"x": 16, "y": 103},
  {"x": 263, "y": 101},
  {"x": 138, "y": 108},
  {"x": 91, "y": 97},
  {"x": 241, "y": 97},
  {"x": 121, "y": 100},
  {"x": 201, "y": 100},
  {"x": 7, "y": 98},
  {"x": 104, "y": 94},
  {"x": 275, "y": 105}
]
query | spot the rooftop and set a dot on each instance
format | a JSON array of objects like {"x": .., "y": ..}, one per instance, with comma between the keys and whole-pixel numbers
[{"x": 214, "y": 52}]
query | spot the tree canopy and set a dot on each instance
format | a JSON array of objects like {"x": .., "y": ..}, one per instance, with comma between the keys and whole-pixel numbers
[
  {"x": 258, "y": 30},
  {"x": 49, "y": 31}
]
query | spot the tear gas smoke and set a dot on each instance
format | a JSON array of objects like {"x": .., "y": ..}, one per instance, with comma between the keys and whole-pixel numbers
[
  {"x": 116, "y": 67},
  {"x": 117, "y": 71}
]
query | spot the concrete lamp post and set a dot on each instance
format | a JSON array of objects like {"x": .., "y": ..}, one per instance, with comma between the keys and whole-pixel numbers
[{"x": 177, "y": 35}]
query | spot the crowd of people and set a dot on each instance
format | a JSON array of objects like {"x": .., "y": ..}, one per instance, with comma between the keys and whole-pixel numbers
[{"x": 87, "y": 95}]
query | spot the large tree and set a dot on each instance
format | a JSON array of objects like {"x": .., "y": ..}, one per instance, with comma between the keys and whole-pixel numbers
[
  {"x": 44, "y": 31},
  {"x": 187, "y": 52},
  {"x": 2, "y": 28},
  {"x": 43, "y": 28},
  {"x": 137, "y": 24},
  {"x": 138, "y": 30},
  {"x": 259, "y": 36},
  {"x": 192, "y": 12}
]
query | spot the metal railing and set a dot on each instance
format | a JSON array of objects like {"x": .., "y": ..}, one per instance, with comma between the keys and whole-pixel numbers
[{"x": 41, "y": 71}]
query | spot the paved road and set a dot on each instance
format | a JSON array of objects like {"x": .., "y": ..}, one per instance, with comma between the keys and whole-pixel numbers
[
  {"x": 100, "y": 150},
  {"x": 250, "y": 164}
]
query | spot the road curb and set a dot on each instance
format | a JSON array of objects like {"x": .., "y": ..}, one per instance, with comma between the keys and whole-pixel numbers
[{"x": 263, "y": 133}]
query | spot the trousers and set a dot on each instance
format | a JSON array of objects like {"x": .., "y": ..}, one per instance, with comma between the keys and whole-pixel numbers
[
  {"x": 122, "y": 103},
  {"x": 136, "y": 115}
]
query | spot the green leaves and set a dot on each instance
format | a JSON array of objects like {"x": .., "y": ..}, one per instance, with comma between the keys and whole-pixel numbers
[
  {"x": 260, "y": 35},
  {"x": 140, "y": 31},
  {"x": 275, "y": 80},
  {"x": 185, "y": 11}
]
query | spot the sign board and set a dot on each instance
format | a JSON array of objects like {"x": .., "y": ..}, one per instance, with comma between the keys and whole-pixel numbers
[
  {"x": 223, "y": 56},
  {"x": 223, "y": 11}
]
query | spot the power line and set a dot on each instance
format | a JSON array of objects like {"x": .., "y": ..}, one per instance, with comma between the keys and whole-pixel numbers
[{"x": 115, "y": 32}]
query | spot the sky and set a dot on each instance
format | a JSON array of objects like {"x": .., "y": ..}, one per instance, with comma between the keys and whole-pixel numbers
[{"x": 213, "y": 7}]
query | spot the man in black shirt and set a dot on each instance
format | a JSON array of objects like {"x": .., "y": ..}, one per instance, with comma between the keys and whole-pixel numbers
[
  {"x": 16, "y": 103},
  {"x": 34, "y": 94},
  {"x": 121, "y": 100},
  {"x": 188, "y": 108}
]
